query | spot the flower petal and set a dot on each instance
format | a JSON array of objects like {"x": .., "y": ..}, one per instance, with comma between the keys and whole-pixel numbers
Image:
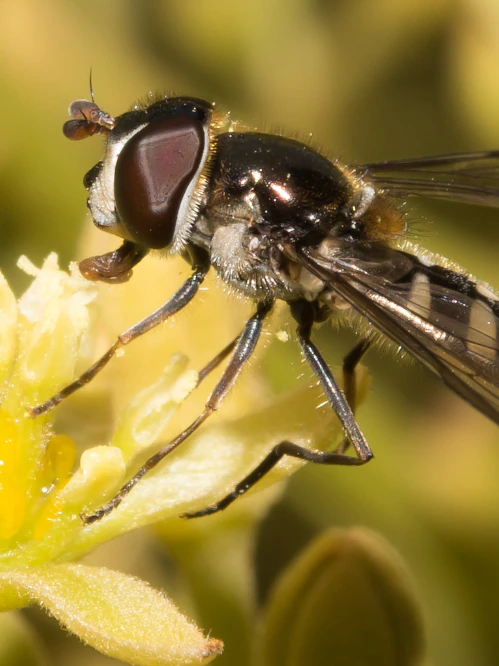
[
  {"x": 120, "y": 616},
  {"x": 8, "y": 330},
  {"x": 211, "y": 462},
  {"x": 54, "y": 318},
  {"x": 346, "y": 600},
  {"x": 150, "y": 410}
]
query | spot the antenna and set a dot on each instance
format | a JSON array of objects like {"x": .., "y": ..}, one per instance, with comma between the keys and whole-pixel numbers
[{"x": 92, "y": 94}]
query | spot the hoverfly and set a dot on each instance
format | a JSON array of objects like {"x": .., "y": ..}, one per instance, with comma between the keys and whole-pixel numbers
[{"x": 278, "y": 220}]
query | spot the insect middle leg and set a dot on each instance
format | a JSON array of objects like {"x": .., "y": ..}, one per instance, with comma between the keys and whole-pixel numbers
[
  {"x": 304, "y": 313},
  {"x": 242, "y": 351}
]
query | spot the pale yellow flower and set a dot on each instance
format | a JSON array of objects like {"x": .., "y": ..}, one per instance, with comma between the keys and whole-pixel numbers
[
  {"x": 40, "y": 529},
  {"x": 45, "y": 337}
]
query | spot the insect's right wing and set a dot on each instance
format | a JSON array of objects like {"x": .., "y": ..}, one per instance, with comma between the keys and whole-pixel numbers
[
  {"x": 454, "y": 333},
  {"x": 463, "y": 177}
]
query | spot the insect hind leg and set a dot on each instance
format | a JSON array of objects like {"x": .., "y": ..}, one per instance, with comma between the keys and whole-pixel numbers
[
  {"x": 350, "y": 385},
  {"x": 279, "y": 451},
  {"x": 304, "y": 313}
]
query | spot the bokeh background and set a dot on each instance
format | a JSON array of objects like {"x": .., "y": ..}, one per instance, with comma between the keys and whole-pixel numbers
[{"x": 370, "y": 80}]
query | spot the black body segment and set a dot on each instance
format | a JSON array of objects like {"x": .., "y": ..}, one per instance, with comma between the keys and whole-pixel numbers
[
  {"x": 193, "y": 108},
  {"x": 298, "y": 191}
]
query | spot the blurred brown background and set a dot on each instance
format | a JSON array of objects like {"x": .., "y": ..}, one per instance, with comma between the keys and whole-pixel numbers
[{"x": 371, "y": 81}]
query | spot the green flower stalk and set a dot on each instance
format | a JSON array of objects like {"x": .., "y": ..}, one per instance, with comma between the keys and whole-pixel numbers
[{"x": 45, "y": 338}]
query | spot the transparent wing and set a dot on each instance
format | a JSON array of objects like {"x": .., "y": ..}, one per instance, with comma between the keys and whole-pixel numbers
[
  {"x": 464, "y": 177},
  {"x": 437, "y": 315}
]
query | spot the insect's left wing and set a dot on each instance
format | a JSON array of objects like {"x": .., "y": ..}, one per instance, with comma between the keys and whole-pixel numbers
[
  {"x": 463, "y": 177},
  {"x": 452, "y": 330}
]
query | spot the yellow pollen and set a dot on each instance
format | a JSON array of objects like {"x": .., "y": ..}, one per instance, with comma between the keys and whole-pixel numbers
[{"x": 13, "y": 495}]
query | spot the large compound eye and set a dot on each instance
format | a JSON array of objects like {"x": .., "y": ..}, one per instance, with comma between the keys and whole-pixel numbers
[{"x": 153, "y": 173}]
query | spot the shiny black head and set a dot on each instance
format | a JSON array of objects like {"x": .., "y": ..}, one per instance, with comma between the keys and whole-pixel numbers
[{"x": 147, "y": 187}]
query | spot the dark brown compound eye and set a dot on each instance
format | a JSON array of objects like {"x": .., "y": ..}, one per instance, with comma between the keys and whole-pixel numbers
[{"x": 152, "y": 177}]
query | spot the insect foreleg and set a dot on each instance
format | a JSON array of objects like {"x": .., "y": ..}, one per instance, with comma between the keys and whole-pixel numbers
[{"x": 178, "y": 301}]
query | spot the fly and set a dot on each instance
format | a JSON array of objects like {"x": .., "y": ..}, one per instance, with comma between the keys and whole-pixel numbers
[{"x": 278, "y": 220}]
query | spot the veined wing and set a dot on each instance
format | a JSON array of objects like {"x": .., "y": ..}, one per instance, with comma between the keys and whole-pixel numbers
[
  {"x": 465, "y": 177},
  {"x": 438, "y": 315}
]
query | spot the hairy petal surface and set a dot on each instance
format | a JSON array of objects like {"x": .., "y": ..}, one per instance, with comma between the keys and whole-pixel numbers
[{"x": 120, "y": 616}]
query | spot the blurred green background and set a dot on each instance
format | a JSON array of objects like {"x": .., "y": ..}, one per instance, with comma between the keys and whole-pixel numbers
[{"x": 371, "y": 80}]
